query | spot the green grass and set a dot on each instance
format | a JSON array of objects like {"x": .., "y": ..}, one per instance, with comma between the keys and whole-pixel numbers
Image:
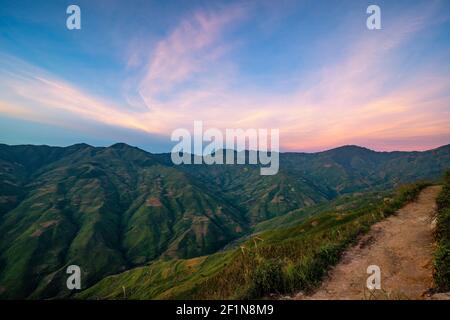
[
  {"x": 277, "y": 261},
  {"x": 442, "y": 253},
  {"x": 287, "y": 260},
  {"x": 118, "y": 208}
]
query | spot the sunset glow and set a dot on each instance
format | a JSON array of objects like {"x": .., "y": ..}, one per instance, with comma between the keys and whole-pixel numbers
[{"x": 313, "y": 70}]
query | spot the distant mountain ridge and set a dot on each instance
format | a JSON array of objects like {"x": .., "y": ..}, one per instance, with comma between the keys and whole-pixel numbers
[{"x": 111, "y": 208}]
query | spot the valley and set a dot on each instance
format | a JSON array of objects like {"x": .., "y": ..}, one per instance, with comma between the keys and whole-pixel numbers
[{"x": 130, "y": 218}]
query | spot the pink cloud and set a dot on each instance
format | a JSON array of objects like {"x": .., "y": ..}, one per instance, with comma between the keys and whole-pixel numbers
[
  {"x": 191, "y": 49},
  {"x": 188, "y": 76}
]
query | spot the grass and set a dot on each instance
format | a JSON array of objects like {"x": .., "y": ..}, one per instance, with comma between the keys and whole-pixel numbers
[
  {"x": 278, "y": 261},
  {"x": 442, "y": 252},
  {"x": 297, "y": 258}
]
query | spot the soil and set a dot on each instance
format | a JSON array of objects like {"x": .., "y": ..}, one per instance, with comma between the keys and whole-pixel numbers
[{"x": 401, "y": 245}]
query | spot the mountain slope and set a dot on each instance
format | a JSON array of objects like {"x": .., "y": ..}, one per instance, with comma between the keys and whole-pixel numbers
[
  {"x": 127, "y": 207},
  {"x": 406, "y": 273},
  {"x": 116, "y": 204},
  {"x": 282, "y": 260}
]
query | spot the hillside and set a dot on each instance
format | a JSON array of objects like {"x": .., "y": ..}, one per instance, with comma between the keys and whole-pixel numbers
[
  {"x": 127, "y": 207},
  {"x": 405, "y": 273},
  {"x": 279, "y": 261}
]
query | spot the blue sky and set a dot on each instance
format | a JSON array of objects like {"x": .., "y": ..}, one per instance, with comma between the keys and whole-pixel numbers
[{"x": 139, "y": 69}]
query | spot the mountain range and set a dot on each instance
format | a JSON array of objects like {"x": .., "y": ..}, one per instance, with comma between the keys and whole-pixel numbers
[{"x": 112, "y": 209}]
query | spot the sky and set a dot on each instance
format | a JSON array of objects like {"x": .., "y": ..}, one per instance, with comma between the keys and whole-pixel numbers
[{"x": 137, "y": 70}]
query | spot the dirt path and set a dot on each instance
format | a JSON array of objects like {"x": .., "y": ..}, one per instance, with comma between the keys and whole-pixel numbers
[{"x": 401, "y": 245}]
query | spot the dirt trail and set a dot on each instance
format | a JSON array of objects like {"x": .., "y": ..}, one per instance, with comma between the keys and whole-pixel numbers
[{"x": 401, "y": 245}]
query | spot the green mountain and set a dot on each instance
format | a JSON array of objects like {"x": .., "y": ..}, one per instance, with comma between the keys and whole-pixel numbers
[
  {"x": 113, "y": 209},
  {"x": 283, "y": 260}
]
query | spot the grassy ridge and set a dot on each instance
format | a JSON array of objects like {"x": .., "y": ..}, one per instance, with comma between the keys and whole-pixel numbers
[
  {"x": 297, "y": 258},
  {"x": 442, "y": 253},
  {"x": 276, "y": 261},
  {"x": 128, "y": 208}
]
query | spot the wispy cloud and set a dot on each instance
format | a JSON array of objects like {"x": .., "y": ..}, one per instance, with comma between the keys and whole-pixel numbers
[
  {"x": 33, "y": 94},
  {"x": 191, "y": 49},
  {"x": 190, "y": 75}
]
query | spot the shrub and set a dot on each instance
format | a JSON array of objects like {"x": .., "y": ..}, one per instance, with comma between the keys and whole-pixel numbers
[
  {"x": 442, "y": 253},
  {"x": 268, "y": 276},
  {"x": 442, "y": 267}
]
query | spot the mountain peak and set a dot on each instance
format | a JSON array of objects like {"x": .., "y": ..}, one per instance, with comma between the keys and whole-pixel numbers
[
  {"x": 353, "y": 149},
  {"x": 81, "y": 145},
  {"x": 121, "y": 145}
]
